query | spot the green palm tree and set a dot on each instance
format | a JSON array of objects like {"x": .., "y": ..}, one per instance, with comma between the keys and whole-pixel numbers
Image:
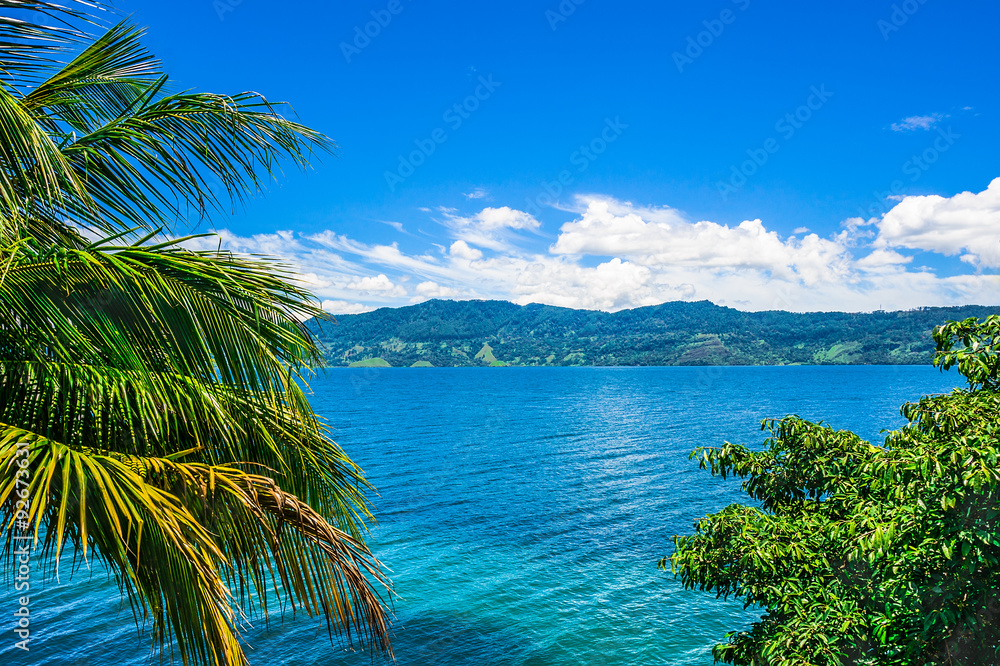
[{"x": 152, "y": 415}]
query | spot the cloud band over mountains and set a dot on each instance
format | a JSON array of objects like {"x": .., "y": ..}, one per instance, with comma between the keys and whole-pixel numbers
[{"x": 614, "y": 255}]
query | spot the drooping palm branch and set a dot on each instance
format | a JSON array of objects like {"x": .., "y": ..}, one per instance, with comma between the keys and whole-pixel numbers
[
  {"x": 158, "y": 390},
  {"x": 103, "y": 140}
]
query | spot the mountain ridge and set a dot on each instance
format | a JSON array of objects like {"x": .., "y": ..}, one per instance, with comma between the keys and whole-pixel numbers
[{"x": 447, "y": 333}]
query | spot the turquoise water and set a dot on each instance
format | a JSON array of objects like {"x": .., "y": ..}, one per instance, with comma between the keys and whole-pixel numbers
[{"x": 523, "y": 511}]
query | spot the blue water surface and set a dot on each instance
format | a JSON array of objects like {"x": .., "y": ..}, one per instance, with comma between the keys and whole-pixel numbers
[{"x": 522, "y": 511}]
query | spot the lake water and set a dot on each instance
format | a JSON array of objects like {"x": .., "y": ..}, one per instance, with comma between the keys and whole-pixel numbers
[{"x": 523, "y": 510}]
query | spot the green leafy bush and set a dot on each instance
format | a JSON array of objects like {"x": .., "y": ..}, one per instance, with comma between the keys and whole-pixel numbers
[{"x": 863, "y": 554}]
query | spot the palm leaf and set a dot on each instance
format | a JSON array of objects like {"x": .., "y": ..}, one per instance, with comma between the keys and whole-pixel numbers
[
  {"x": 33, "y": 31},
  {"x": 104, "y": 142},
  {"x": 209, "y": 523},
  {"x": 164, "y": 559},
  {"x": 157, "y": 392}
]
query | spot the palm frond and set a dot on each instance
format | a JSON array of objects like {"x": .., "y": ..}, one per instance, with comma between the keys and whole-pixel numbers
[
  {"x": 161, "y": 349},
  {"x": 211, "y": 315},
  {"x": 102, "y": 82},
  {"x": 176, "y": 155},
  {"x": 33, "y": 31},
  {"x": 157, "y": 392},
  {"x": 155, "y": 414},
  {"x": 177, "y": 532},
  {"x": 163, "y": 557},
  {"x": 102, "y": 141},
  {"x": 36, "y": 179}
]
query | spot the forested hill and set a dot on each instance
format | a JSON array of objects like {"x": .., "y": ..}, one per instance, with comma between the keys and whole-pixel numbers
[{"x": 476, "y": 333}]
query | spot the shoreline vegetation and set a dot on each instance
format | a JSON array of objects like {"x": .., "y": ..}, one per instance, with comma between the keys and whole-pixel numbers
[
  {"x": 863, "y": 554},
  {"x": 500, "y": 334}
]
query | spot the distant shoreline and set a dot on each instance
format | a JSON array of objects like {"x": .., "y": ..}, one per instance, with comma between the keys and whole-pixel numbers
[{"x": 685, "y": 334}]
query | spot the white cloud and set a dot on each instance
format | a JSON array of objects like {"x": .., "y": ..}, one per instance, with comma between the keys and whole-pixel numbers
[
  {"x": 428, "y": 290},
  {"x": 801, "y": 230},
  {"x": 966, "y": 224},
  {"x": 478, "y": 193},
  {"x": 620, "y": 231},
  {"x": 612, "y": 285},
  {"x": 461, "y": 250},
  {"x": 882, "y": 260},
  {"x": 918, "y": 122},
  {"x": 379, "y": 284},
  {"x": 343, "y": 307},
  {"x": 505, "y": 217},
  {"x": 613, "y": 254},
  {"x": 490, "y": 228}
]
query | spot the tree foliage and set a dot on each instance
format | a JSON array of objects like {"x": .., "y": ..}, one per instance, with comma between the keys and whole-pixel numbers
[
  {"x": 864, "y": 554},
  {"x": 152, "y": 410}
]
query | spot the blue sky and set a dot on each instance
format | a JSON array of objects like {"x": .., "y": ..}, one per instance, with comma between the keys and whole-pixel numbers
[{"x": 789, "y": 155}]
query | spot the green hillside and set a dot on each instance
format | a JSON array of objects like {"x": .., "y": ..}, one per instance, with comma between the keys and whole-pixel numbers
[
  {"x": 370, "y": 363},
  {"x": 495, "y": 333}
]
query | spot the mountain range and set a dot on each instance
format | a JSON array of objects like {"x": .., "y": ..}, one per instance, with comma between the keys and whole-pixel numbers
[{"x": 444, "y": 333}]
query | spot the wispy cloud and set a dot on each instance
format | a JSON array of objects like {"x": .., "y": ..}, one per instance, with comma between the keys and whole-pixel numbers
[
  {"x": 398, "y": 226},
  {"x": 914, "y": 123},
  {"x": 478, "y": 193},
  {"x": 490, "y": 228}
]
